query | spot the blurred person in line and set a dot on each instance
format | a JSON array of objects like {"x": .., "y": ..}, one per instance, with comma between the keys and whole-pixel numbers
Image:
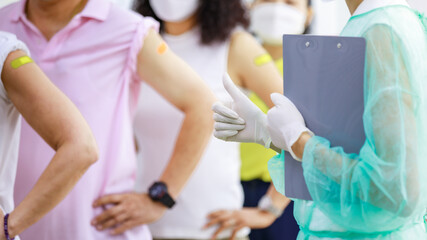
[
  {"x": 380, "y": 192},
  {"x": 24, "y": 89},
  {"x": 269, "y": 21},
  {"x": 97, "y": 54},
  {"x": 210, "y": 37}
]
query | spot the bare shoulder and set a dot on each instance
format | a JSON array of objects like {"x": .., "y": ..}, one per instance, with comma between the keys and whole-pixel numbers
[
  {"x": 243, "y": 43},
  {"x": 244, "y": 48}
]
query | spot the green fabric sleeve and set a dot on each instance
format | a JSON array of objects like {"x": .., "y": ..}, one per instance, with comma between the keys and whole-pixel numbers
[{"x": 384, "y": 185}]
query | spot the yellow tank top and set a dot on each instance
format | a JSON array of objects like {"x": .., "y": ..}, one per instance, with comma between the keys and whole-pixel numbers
[{"x": 254, "y": 156}]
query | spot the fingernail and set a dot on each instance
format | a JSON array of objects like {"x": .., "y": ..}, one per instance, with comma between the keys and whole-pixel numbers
[{"x": 241, "y": 120}]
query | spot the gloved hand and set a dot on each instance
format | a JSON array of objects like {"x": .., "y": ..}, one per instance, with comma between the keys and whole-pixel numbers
[
  {"x": 243, "y": 121},
  {"x": 285, "y": 123}
]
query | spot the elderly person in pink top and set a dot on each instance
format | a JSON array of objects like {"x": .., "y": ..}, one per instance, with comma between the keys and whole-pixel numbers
[{"x": 97, "y": 54}]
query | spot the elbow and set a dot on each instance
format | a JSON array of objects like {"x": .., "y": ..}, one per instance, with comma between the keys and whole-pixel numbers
[
  {"x": 208, "y": 99},
  {"x": 411, "y": 205},
  {"x": 207, "y": 113},
  {"x": 87, "y": 151},
  {"x": 201, "y": 110},
  {"x": 402, "y": 203},
  {"x": 90, "y": 152}
]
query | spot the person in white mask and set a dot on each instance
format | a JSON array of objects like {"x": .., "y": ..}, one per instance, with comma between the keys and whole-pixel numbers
[
  {"x": 210, "y": 37},
  {"x": 270, "y": 19}
]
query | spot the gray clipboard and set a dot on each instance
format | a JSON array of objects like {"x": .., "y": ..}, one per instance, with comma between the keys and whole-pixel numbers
[{"x": 324, "y": 77}]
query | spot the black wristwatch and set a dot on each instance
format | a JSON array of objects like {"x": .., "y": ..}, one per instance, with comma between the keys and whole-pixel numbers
[{"x": 158, "y": 192}]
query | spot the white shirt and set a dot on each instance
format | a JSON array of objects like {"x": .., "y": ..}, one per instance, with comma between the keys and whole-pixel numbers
[
  {"x": 10, "y": 125},
  {"x": 368, "y": 5},
  {"x": 215, "y": 184}
]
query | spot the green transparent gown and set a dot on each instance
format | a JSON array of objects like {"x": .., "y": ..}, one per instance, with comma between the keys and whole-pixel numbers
[{"x": 381, "y": 192}]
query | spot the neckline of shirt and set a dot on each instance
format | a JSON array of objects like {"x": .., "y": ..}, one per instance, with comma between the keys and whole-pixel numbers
[
  {"x": 368, "y": 5},
  {"x": 182, "y": 37}
]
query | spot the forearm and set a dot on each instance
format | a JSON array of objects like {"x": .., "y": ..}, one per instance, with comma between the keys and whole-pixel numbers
[
  {"x": 299, "y": 145},
  {"x": 195, "y": 133},
  {"x": 354, "y": 183},
  {"x": 66, "y": 167},
  {"x": 278, "y": 199}
]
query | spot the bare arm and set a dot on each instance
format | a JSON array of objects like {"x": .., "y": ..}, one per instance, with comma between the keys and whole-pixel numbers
[
  {"x": 61, "y": 125},
  {"x": 181, "y": 86},
  {"x": 262, "y": 80}
]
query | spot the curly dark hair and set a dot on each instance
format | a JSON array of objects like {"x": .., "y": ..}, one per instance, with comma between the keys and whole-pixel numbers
[{"x": 216, "y": 18}]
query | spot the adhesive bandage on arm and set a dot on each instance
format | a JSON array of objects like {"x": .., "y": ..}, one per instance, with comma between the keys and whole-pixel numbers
[
  {"x": 21, "y": 61},
  {"x": 263, "y": 59},
  {"x": 162, "y": 48}
]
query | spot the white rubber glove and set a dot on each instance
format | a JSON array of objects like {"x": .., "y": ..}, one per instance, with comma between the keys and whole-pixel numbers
[
  {"x": 285, "y": 123},
  {"x": 243, "y": 121}
]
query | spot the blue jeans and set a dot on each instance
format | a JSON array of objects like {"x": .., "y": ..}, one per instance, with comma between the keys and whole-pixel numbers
[{"x": 284, "y": 228}]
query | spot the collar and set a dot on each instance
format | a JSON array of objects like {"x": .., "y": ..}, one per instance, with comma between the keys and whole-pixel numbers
[
  {"x": 19, "y": 11},
  {"x": 95, "y": 9},
  {"x": 368, "y": 5}
]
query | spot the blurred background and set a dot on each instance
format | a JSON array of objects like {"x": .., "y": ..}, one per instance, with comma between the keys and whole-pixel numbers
[{"x": 329, "y": 19}]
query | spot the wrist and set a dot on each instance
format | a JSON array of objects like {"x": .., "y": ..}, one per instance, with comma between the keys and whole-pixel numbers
[
  {"x": 299, "y": 145},
  {"x": 264, "y": 137},
  {"x": 10, "y": 226},
  {"x": 159, "y": 206},
  {"x": 158, "y": 192},
  {"x": 156, "y": 205},
  {"x": 266, "y": 204}
]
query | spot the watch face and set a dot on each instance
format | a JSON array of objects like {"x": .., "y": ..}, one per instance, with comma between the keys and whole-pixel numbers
[{"x": 157, "y": 191}]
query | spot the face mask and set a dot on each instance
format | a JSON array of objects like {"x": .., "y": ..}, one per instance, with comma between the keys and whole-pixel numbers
[
  {"x": 174, "y": 10},
  {"x": 270, "y": 21}
]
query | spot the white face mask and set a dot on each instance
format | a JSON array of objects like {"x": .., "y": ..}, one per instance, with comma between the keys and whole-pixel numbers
[
  {"x": 174, "y": 10},
  {"x": 270, "y": 21}
]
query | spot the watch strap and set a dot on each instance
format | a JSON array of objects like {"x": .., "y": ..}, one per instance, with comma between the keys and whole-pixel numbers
[{"x": 167, "y": 200}]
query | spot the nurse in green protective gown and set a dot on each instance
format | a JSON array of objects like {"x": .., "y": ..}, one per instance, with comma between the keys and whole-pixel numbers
[{"x": 381, "y": 192}]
